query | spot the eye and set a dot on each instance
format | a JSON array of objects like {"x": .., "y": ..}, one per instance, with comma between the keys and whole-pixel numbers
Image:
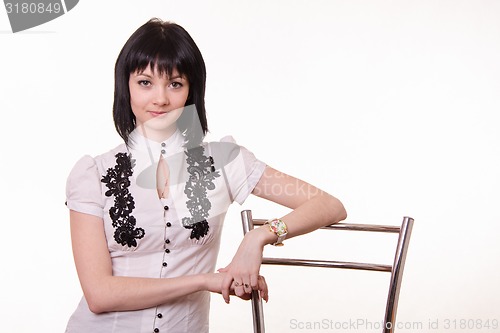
[
  {"x": 176, "y": 85},
  {"x": 144, "y": 83}
]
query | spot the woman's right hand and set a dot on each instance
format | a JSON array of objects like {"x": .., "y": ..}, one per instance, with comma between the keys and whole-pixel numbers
[{"x": 214, "y": 284}]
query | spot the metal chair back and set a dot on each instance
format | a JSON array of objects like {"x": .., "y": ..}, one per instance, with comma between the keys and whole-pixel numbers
[{"x": 396, "y": 269}]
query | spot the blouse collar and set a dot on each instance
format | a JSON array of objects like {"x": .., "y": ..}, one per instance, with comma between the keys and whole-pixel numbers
[
  {"x": 140, "y": 143},
  {"x": 146, "y": 152}
]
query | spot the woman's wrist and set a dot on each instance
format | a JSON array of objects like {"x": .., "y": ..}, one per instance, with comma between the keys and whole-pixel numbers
[
  {"x": 208, "y": 284},
  {"x": 263, "y": 235}
]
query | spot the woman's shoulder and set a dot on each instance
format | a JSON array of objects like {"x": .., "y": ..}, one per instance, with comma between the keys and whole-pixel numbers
[
  {"x": 111, "y": 155},
  {"x": 101, "y": 161},
  {"x": 227, "y": 149},
  {"x": 83, "y": 185}
]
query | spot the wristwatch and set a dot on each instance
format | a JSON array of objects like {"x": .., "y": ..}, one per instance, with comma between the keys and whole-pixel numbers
[{"x": 278, "y": 227}]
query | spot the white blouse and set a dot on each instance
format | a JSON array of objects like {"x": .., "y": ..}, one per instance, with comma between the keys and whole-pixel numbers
[{"x": 160, "y": 238}]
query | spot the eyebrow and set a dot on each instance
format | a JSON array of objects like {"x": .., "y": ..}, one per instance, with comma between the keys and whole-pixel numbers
[
  {"x": 170, "y": 78},
  {"x": 177, "y": 77}
]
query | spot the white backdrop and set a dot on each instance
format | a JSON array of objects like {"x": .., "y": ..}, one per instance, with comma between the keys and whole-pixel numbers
[{"x": 392, "y": 106}]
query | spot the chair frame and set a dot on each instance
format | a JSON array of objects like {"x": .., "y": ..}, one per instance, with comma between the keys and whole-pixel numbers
[{"x": 396, "y": 269}]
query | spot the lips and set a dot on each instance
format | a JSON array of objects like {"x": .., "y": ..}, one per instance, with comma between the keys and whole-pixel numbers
[{"x": 157, "y": 113}]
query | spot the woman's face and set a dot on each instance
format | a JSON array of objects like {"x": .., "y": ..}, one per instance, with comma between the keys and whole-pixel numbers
[{"x": 157, "y": 101}]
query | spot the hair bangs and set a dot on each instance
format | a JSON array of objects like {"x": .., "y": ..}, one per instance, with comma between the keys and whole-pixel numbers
[{"x": 162, "y": 55}]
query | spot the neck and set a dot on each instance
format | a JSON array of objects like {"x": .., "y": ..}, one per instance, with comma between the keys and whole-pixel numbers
[{"x": 158, "y": 136}]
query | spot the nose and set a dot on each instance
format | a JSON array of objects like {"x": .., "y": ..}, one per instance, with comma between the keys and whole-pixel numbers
[{"x": 161, "y": 97}]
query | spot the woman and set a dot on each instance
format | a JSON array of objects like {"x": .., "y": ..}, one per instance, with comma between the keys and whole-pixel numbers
[{"x": 146, "y": 217}]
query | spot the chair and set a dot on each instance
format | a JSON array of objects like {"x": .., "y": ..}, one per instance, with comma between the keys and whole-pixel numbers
[{"x": 396, "y": 269}]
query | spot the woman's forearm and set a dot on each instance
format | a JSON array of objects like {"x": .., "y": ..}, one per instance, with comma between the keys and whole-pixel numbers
[
  {"x": 319, "y": 211},
  {"x": 117, "y": 293},
  {"x": 311, "y": 207},
  {"x": 313, "y": 214},
  {"x": 105, "y": 292}
]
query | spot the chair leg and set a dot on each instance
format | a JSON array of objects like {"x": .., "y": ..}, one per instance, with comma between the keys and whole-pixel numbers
[
  {"x": 397, "y": 275},
  {"x": 258, "y": 313}
]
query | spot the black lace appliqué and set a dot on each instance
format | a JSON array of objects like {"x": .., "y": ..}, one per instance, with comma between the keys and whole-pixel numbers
[
  {"x": 117, "y": 181},
  {"x": 201, "y": 175}
]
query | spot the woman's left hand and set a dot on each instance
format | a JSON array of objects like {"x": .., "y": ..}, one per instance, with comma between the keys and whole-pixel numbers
[{"x": 245, "y": 266}]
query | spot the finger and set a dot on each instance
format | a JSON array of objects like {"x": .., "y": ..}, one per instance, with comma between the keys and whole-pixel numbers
[
  {"x": 246, "y": 297},
  {"x": 238, "y": 287},
  {"x": 243, "y": 295},
  {"x": 254, "y": 282},
  {"x": 264, "y": 296},
  {"x": 225, "y": 288},
  {"x": 247, "y": 287},
  {"x": 222, "y": 270},
  {"x": 264, "y": 291},
  {"x": 239, "y": 291}
]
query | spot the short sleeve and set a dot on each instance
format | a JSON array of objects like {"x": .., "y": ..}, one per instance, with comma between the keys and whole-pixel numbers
[
  {"x": 83, "y": 188},
  {"x": 241, "y": 169}
]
